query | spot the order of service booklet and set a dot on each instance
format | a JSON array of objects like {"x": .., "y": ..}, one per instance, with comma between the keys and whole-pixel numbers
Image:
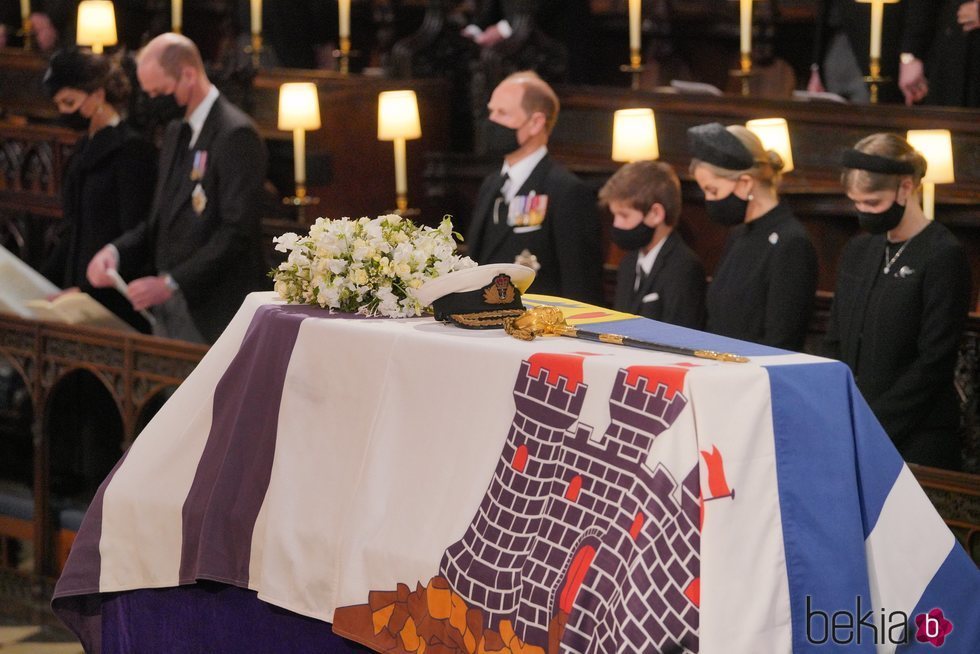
[{"x": 23, "y": 293}]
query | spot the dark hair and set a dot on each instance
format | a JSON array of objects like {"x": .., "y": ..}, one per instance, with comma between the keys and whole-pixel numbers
[
  {"x": 643, "y": 184},
  {"x": 890, "y": 146},
  {"x": 87, "y": 72}
]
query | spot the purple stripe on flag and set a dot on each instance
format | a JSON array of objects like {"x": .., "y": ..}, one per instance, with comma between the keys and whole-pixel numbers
[
  {"x": 233, "y": 474},
  {"x": 82, "y": 572},
  {"x": 213, "y": 618}
]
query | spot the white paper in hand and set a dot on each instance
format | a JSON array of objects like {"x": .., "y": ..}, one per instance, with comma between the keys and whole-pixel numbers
[{"x": 120, "y": 285}]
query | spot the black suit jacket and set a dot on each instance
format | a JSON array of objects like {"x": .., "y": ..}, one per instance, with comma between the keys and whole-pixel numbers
[
  {"x": 107, "y": 190},
  {"x": 566, "y": 243},
  {"x": 902, "y": 340},
  {"x": 673, "y": 292},
  {"x": 216, "y": 257},
  {"x": 909, "y": 26}
]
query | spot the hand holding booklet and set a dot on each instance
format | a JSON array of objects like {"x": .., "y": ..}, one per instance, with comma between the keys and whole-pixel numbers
[{"x": 24, "y": 293}]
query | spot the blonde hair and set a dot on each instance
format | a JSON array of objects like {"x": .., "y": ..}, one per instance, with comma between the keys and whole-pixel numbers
[
  {"x": 890, "y": 146},
  {"x": 766, "y": 169}
]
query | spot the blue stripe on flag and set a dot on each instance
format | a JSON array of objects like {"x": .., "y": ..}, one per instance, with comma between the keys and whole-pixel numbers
[
  {"x": 879, "y": 463},
  {"x": 955, "y": 590},
  {"x": 661, "y": 332},
  {"x": 819, "y": 500}
]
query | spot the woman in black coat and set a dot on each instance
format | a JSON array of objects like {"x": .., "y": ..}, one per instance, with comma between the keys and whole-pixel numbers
[
  {"x": 903, "y": 292},
  {"x": 764, "y": 285},
  {"x": 109, "y": 179}
]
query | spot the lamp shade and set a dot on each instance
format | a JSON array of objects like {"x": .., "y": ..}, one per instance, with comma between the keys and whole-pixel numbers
[
  {"x": 398, "y": 116},
  {"x": 774, "y": 134},
  {"x": 299, "y": 106},
  {"x": 936, "y": 145},
  {"x": 634, "y": 135},
  {"x": 882, "y": 2},
  {"x": 96, "y": 23}
]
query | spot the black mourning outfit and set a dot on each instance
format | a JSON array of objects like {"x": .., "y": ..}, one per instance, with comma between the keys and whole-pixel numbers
[
  {"x": 107, "y": 190},
  {"x": 765, "y": 283},
  {"x": 899, "y": 332}
]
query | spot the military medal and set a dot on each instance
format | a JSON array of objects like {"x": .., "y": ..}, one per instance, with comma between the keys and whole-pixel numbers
[
  {"x": 527, "y": 210},
  {"x": 200, "y": 165},
  {"x": 199, "y": 200}
]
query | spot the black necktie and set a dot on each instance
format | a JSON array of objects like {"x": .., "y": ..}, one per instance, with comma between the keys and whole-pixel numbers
[
  {"x": 182, "y": 149},
  {"x": 499, "y": 203}
]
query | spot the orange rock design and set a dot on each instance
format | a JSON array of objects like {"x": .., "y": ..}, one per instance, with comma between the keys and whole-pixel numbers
[{"x": 431, "y": 620}]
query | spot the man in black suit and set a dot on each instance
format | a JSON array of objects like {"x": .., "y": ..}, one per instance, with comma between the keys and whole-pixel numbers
[
  {"x": 203, "y": 238},
  {"x": 660, "y": 277},
  {"x": 568, "y": 22},
  {"x": 534, "y": 212}
]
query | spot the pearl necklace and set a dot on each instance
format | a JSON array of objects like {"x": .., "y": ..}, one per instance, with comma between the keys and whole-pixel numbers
[{"x": 889, "y": 262}]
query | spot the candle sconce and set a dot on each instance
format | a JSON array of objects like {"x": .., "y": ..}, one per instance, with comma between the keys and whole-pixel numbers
[
  {"x": 874, "y": 67},
  {"x": 299, "y": 110},
  {"x": 27, "y": 32},
  {"x": 744, "y": 73},
  {"x": 343, "y": 55},
  {"x": 634, "y": 67},
  {"x": 874, "y": 79},
  {"x": 255, "y": 49}
]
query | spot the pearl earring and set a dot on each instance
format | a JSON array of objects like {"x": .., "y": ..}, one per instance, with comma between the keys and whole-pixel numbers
[{"x": 751, "y": 197}]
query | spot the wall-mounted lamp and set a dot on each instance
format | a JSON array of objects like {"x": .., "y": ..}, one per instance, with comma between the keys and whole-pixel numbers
[
  {"x": 774, "y": 134},
  {"x": 936, "y": 145},
  {"x": 398, "y": 121},
  {"x": 96, "y": 24},
  {"x": 299, "y": 111},
  {"x": 634, "y": 135}
]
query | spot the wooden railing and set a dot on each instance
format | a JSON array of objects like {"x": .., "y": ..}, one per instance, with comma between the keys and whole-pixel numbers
[{"x": 133, "y": 369}]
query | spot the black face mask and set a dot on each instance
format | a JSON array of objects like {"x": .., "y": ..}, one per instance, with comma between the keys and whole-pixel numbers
[
  {"x": 728, "y": 211},
  {"x": 883, "y": 221},
  {"x": 75, "y": 120},
  {"x": 632, "y": 239},
  {"x": 164, "y": 108},
  {"x": 501, "y": 140}
]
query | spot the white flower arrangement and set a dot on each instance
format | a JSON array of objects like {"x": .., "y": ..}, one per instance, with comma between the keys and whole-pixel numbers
[{"x": 370, "y": 266}]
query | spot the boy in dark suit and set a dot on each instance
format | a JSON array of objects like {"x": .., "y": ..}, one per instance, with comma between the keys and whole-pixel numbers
[
  {"x": 660, "y": 277},
  {"x": 535, "y": 212},
  {"x": 203, "y": 238}
]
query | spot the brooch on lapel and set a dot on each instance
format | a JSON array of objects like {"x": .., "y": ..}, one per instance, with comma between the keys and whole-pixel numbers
[
  {"x": 200, "y": 165},
  {"x": 904, "y": 272},
  {"x": 527, "y": 210},
  {"x": 199, "y": 200}
]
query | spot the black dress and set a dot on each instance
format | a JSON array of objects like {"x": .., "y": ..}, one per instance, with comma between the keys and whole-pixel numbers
[
  {"x": 764, "y": 286},
  {"x": 899, "y": 332},
  {"x": 107, "y": 189}
]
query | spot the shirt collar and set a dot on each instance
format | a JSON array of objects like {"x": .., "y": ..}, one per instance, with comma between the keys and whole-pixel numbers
[
  {"x": 519, "y": 172},
  {"x": 645, "y": 261},
  {"x": 200, "y": 114}
]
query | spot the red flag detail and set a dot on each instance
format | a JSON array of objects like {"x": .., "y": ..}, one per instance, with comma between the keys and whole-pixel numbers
[
  {"x": 717, "y": 483},
  {"x": 568, "y": 366}
]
